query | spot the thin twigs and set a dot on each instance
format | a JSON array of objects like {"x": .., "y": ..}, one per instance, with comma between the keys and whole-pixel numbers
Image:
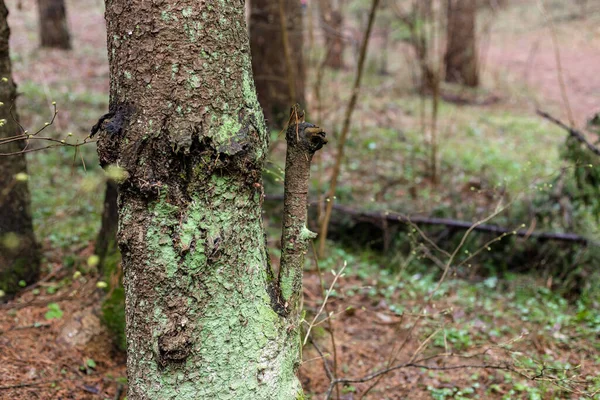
[
  {"x": 415, "y": 364},
  {"x": 572, "y": 131},
  {"x": 328, "y": 318},
  {"x": 461, "y": 244},
  {"x": 345, "y": 130},
  {"x": 559, "y": 69},
  {"x": 27, "y": 137},
  {"x": 335, "y": 279}
]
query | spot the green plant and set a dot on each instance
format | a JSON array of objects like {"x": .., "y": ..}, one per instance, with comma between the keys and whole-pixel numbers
[{"x": 54, "y": 312}]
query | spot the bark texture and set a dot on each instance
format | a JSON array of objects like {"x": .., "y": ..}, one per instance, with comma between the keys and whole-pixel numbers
[
  {"x": 272, "y": 76},
  {"x": 19, "y": 256},
  {"x": 461, "y": 50},
  {"x": 332, "y": 23},
  {"x": 186, "y": 127},
  {"x": 54, "y": 30}
]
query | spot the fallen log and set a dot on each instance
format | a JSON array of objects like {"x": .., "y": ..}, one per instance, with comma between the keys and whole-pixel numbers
[{"x": 386, "y": 219}]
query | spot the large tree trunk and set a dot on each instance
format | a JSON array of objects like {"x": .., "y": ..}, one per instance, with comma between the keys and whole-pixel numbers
[
  {"x": 461, "y": 50},
  {"x": 332, "y": 23},
  {"x": 54, "y": 30},
  {"x": 19, "y": 255},
  {"x": 278, "y": 88},
  {"x": 205, "y": 317}
]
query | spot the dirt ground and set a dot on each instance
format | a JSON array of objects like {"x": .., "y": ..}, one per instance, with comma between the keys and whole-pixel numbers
[{"x": 71, "y": 357}]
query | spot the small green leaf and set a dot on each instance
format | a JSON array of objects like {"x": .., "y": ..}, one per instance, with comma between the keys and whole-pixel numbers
[
  {"x": 54, "y": 311},
  {"x": 90, "y": 363}
]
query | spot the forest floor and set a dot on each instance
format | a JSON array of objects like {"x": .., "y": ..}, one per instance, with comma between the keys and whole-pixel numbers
[{"x": 387, "y": 309}]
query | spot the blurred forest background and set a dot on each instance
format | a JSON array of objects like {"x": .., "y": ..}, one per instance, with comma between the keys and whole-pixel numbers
[{"x": 463, "y": 217}]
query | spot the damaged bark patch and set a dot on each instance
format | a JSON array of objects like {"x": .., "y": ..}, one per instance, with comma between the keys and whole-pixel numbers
[{"x": 174, "y": 346}]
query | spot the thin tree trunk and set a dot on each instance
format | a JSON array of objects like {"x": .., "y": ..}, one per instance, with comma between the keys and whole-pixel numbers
[
  {"x": 278, "y": 88},
  {"x": 19, "y": 253},
  {"x": 113, "y": 306},
  {"x": 332, "y": 24},
  {"x": 54, "y": 30},
  {"x": 206, "y": 318},
  {"x": 106, "y": 242},
  {"x": 461, "y": 50}
]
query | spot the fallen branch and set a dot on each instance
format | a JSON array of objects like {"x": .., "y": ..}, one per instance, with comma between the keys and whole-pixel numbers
[
  {"x": 391, "y": 217},
  {"x": 579, "y": 136},
  {"x": 333, "y": 383}
]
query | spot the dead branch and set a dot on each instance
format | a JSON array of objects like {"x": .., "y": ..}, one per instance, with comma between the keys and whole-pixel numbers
[
  {"x": 416, "y": 364},
  {"x": 346, "y": 128},
  {"x": 579, "y": 136}
]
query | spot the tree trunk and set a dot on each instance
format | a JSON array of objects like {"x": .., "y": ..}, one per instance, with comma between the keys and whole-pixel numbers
[
  {"x": 205, "y": 316},
  {"x": 106, "y": 242},
  {"x": 332, "y": 23},
  {"x": 19, "y": 253},
  {"x": 461, "y": 50},
  {"x": 277, "y": 87},
  {"x": 54, "y": 30},
  {"x": 113, "y": 305}
]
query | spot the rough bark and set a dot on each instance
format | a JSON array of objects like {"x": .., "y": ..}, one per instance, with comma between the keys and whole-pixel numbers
[
  {"x": 54, "y": 30},
  {"x": 19, "y": 254},
  {"x": 461, "y": 50},
  {"x": 278, "y": 88},
  {"x": 332, "y": 23},
  {"x": 203, "y": 309}
]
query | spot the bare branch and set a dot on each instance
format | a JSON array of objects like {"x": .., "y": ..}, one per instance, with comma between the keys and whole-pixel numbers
[{"x": 579, "y": 136}]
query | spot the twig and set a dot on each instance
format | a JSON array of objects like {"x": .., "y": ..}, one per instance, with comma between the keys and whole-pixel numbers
[
  {"x": 374, "y": 375},
  {"x": 310, "y": 326},
  {"x": 325, "y": 364},
  {"x": 27, "y": 384},
  {"x": 18, "y": 306},
  {"x": 328, "y": 318},
  {"x": 346, "y": 128},
  {"x": 559, "y": 69},
  {"x": 579, "y": 136}
]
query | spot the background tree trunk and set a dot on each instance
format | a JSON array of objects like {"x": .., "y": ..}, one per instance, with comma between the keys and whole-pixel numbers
[
  {"x": 461, "y": 50},
  {"x": 271, "y": 74},
  {"x": 113, "y": 306},
  {"x": 332, "y": 24},
  {"x": 54, "y": 30},
  {"x": 203, "y": 314},
  {"x": 106, "y": 242},
  {"x": 19, "y": 256}
]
